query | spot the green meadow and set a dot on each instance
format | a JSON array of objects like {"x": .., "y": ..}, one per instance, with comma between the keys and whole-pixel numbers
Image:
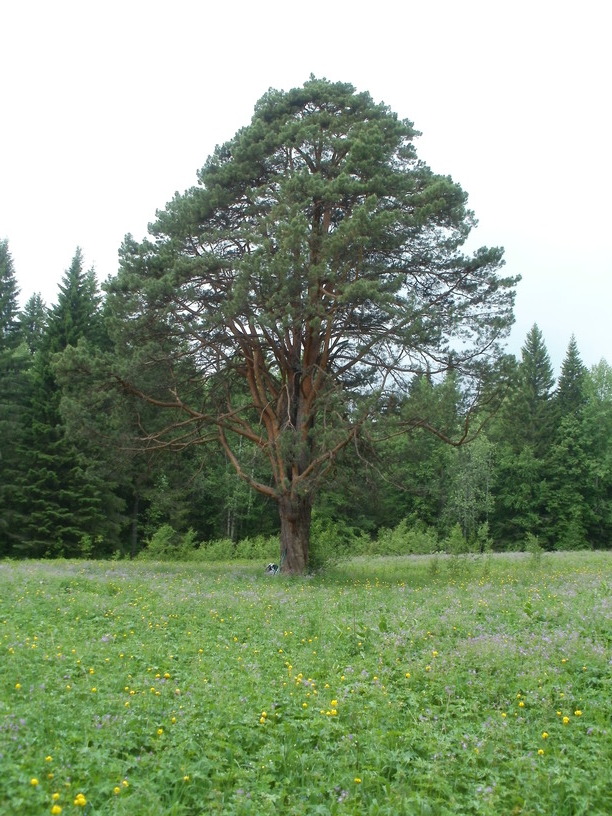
[{"x": 410, "y": 685}]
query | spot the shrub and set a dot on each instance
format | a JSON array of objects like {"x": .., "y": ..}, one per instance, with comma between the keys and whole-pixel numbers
[
  {"x": 407, "y": 538},
  {"x": 331, "y": 541}
]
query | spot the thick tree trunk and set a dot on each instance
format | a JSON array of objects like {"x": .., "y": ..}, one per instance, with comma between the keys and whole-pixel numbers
[{"x": 295, "y": 515}]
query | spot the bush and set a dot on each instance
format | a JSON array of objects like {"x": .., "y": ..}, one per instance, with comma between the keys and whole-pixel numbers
[
  {"x": 167, "y": 545},
  {"x": 407, "y": 538},
  {"x": 455, "y": 543},
  {"x": 265, "y": 548},
  {"x": 331, "y": 541}
]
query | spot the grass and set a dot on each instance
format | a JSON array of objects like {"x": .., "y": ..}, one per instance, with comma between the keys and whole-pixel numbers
[{"x": 417, "y": 685}]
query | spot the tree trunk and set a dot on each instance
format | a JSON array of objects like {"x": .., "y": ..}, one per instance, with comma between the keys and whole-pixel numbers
[{"x": 295, "y": 514}]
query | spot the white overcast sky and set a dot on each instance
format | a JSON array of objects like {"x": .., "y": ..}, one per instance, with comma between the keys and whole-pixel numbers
[{"x": 110, "y": 107}]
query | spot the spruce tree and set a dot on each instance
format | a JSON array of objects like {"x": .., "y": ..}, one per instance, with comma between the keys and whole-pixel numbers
[
  {"x": 72, "y": 508},
  {"x": 13, "y": 363},
  {"x": 570, "y": 395},
  {"x": 525, "y": 433}
]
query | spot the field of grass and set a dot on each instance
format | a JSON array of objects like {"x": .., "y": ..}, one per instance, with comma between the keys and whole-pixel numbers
[{"x": 417, "y": 685}]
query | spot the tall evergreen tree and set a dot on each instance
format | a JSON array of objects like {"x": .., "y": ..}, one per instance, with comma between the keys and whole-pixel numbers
[
  {"x": 9, "y": 294},
  {"x": 13, "y": 363},
  {"x": 525, "y": 433},
  {"x": 72, "y": 507},
  {"x": 33, "y": 323},
  {"x": 570, "y": 394}
]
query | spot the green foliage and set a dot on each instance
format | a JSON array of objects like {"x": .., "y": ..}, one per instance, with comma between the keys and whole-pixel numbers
[
  {"x": 455, "y": 543},
  {"x": 407, "y": 538},
  {"x": 532, "y": 546},
  {"x": 317, "y": 261},
  {"x": 333, "y": 541}
]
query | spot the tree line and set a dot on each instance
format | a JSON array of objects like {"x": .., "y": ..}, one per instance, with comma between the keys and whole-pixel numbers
[
  {"x": 77, "y": 480},
  {"x": 301, "y": 333}
]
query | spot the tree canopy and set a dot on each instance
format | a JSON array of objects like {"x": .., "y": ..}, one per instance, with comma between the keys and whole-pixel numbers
[{"x": 316, "y": 268}]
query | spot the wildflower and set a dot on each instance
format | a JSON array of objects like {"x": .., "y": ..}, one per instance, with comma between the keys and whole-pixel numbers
[
  {"x": 125, "y": 783},
  {"x": 55, "y": 796},
  {"x": 116, "y": 790},
  {"x": 504, "y": 715},
  {"x": 544, "y": 734},
  {"x": 566, "y": 720},
  {"x": 578, "y": 713},
  {"x": 17, "y": 686},
  {"x": 334, "y": 703},
  {"x": 56, "y": 810},
  {"x": 521, "y": 704},
  {"x": 408, "y": 674},
  {"x": 427, "y": 668},
  {"x": 80, "y": 800},
  {"x": 48, "y": 758},
  {"x": 541, "y": 751},
  {"x": 34, "y": 781},
  {"x": 357, "y": 780},
  {"x": 304, "y": 705},
  {"x": 160, "y": 731}
]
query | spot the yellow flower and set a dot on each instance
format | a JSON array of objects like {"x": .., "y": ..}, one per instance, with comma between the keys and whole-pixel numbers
[
  {"x": 55, "y": 796},
  {"x": 504, "y": 715},
  {"x": 544, "y": 734},
  {"x": 541, "y": 751},
  {"x": 407, "y": 674},
  {"x": 80, "y": 800},
  {"x": 578, "y": 713},
  {"x": 17, "y": 686},
  {"x": 427, "y": 668},
  {"x": 304, "y": 705},
  {"x": 160, "y": 731},
  {"x": 357, "y": 780},
  {"x": 48, "y": 758},
  {"x": 34, "y": 781},
  {"x": 566, "y": 720},
  {"x": 56, "y": 810},
  {"x": 186, "y": 778},
  {"x": 334, "y": 703},
  {"x": 521, "y": 704},
  {"x": 262, "y": 720},
  {"x": 125, "y": 783},
  {"x": 116, "y": 790}
]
